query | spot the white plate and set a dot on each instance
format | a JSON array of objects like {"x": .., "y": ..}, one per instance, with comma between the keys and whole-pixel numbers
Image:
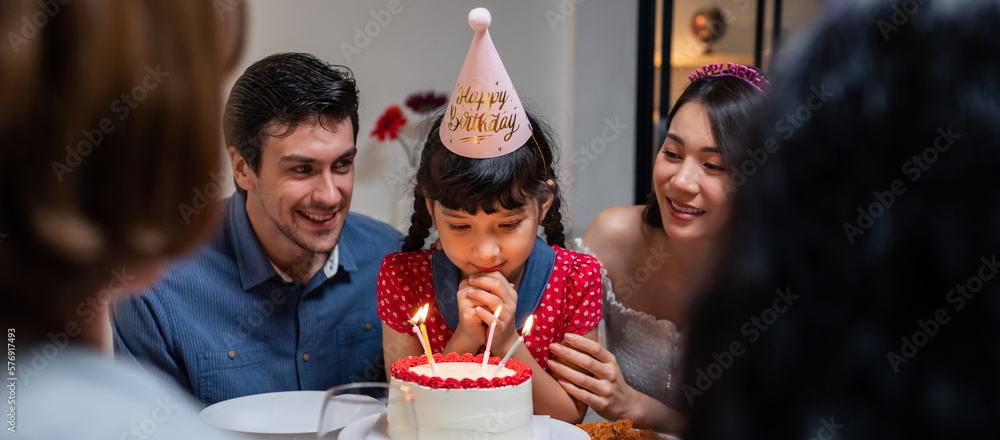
[
  {"x": 374, "y": 428},
  {"x": 564, "y": 431},
  {"x": 281, "y": 415}
]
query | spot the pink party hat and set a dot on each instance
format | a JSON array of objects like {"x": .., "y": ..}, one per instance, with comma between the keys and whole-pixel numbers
[{"x": 485, "y": 117}]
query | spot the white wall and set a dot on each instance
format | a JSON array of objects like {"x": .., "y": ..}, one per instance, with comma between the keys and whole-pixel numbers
[
  {"x": 571, "y": 76},
  {"x": 604, "y": 69},
  {"x": 420, "y": 47}
]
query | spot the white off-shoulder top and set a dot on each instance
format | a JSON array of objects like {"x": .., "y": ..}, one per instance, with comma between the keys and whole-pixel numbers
[{"x": 648, "y": 349}]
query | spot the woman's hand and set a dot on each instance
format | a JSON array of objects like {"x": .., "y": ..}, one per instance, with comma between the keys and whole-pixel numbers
[
  {"x": 492, "y": 290},
  {"x": 606, "y": 392}
]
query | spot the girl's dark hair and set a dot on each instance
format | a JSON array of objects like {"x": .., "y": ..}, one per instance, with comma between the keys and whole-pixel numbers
[
  {"x": 878, "y": 220},
  {"x": 472, "y": 185},
  {"x": 280, "y": 91},
  {"x": 730, "y": 102}
]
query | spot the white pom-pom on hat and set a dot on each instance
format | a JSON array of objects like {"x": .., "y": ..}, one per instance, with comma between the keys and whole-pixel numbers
[{"x": 480, "y": 19}]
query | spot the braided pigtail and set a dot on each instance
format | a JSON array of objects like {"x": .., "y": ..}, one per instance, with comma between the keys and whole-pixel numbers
[
  {"x": 420, "y": 225},
  {"x": 552, "y": 223}
]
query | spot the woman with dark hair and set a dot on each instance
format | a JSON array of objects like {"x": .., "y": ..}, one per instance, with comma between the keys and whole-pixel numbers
[
  {"x": 110, "y": 116},
  {"x": 862, "y": 294},
  {"x": 658, "y": 257}
]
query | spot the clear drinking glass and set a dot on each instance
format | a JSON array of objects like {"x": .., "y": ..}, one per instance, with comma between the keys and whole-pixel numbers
[{"x": 357, "y": 411}]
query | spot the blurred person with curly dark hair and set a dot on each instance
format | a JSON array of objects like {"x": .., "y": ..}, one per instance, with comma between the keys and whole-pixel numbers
[{"x": 860, "y": 298}]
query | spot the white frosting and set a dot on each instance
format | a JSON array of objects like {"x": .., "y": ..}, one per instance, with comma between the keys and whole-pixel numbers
[
  {"x": 462, "y": 370},
  {"x": 457, "y": 414}
]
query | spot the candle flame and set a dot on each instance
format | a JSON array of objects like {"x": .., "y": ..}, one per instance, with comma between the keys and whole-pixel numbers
[
  {"x": 528, "y": 323},
  {"x": 496, "y": 314},
  {"x": 420, "y": 316}
]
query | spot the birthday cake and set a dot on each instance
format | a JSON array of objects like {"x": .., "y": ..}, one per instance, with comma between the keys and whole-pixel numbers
[{"x": 464, "y": 400}]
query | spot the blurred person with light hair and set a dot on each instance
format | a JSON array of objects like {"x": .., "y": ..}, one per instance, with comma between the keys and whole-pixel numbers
[{"x": 110, "y": 117}]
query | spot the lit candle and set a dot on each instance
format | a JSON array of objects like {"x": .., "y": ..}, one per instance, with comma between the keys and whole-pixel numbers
[
  {"x": 425, "y": 341},
  {"x": 421, "y": 312},
  {"x": 430, "y": 355},
  {"x": 489, "y": 339},
  {"x": 528, "y": 323}
]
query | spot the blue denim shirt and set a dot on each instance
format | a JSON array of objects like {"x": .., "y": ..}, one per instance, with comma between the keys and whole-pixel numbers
[{"x": 222, "y": 323}]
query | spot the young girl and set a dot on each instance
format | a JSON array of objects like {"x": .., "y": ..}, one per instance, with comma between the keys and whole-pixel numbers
[{"x": 487, "y": 213}]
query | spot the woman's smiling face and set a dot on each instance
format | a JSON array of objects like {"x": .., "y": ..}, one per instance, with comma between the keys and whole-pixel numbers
[{"x": 690, "y": 179}]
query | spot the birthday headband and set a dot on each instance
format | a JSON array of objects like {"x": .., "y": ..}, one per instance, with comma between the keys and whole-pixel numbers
[{"x": 746, "y": 73}]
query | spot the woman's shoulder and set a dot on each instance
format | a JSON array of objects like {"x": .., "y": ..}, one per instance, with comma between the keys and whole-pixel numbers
[
  {"x": 615, "y": 230},
  {"x": 614, "y": 223}
]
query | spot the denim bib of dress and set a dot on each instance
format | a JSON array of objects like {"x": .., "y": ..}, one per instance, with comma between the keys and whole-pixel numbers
[{"x": 537, "y": 271}]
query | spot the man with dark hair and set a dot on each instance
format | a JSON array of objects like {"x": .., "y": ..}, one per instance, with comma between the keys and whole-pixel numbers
[{"x": 284, "y": 297}]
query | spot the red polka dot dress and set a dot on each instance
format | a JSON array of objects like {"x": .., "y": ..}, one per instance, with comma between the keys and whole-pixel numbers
[{"x": 570, "y": 302}]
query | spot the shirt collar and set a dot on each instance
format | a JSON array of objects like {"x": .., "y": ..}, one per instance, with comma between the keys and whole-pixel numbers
[
  {"x": 333, "y": 264},
  {"x": 344, "y": 252},
  {"x": 253, "y": 264}
]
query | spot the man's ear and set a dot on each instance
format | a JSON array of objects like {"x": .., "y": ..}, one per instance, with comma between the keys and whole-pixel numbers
[
  {"x": 245, "y": 177},
  {"x": 547, "y": 201}
]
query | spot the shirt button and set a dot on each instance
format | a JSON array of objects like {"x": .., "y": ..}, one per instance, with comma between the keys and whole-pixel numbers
[
  {"x": 305, "y": 357},
  {"x": 368, "y": 326},
  {"x": 232, "y": 354}
]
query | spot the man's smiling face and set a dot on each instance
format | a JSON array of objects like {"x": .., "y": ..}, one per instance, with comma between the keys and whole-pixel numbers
[{"x": 304, "y": 185}]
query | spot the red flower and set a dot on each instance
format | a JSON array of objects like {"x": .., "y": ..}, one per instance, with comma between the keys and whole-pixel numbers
[
  {"x": 389, "y": 124},
  {"x": 425, "y": 102}
]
